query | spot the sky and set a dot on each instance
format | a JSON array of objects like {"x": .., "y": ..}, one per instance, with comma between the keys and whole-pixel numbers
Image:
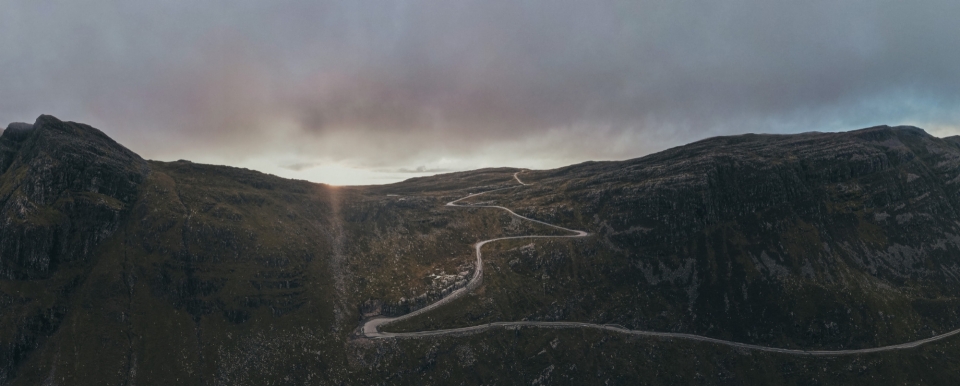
[{"x": 371, "y": 92}]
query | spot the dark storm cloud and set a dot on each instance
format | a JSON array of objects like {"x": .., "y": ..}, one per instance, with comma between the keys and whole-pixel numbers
[
  {"x": 413, "y": 82},
  {"x": 300, "y": 166}
]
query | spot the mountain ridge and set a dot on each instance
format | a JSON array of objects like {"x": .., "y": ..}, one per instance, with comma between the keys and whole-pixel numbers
[{"x": 122, "y": 270}]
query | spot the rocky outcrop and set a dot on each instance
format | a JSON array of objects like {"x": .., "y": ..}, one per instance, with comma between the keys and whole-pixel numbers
[
  {"x": 63, "y": 189},
  {"x": 883, "y": 200},
  {"x": 10, "y": 142}
]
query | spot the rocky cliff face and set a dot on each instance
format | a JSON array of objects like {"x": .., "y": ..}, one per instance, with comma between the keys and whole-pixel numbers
[
  {"x": 64, "y": 187},
  {"x": 887, "y": 199}
]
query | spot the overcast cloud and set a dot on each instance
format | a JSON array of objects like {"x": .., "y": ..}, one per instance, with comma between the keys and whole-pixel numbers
[{"x": 371, "y": 92}]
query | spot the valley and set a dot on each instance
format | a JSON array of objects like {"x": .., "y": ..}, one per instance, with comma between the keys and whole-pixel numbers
[{"x": 815, "y": 258}]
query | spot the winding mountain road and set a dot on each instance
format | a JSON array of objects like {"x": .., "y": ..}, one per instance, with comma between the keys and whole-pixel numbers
[{"x": 371, "y": 329}]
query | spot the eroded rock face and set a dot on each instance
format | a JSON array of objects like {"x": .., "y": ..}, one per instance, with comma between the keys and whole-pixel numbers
[
  {"x": 63, "y": 188},
  {"x": 883, "y": 200}
]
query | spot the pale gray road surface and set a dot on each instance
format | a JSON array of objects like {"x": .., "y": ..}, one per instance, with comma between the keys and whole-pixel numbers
[{"x": 371, "y": 329}]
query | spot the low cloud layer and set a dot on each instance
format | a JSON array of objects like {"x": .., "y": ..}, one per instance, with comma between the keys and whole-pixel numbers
[{"x": 358, "y": 92}]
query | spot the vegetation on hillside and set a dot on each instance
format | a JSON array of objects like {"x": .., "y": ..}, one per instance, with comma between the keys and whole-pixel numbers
[{"x": 118, "y": 270}]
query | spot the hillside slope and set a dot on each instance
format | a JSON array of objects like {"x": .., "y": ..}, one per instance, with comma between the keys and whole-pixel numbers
[
  {"x": 116, "y": 270},
  {"x": 818, "y": 241}
]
